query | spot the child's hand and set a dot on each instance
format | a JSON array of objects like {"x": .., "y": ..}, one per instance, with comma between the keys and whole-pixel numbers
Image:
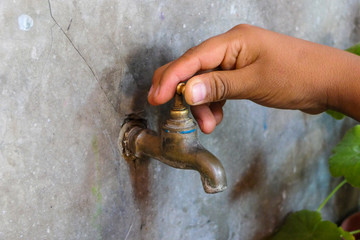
[{"x": 268, "y": 68}]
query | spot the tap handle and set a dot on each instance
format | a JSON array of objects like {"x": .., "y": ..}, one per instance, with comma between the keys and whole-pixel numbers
[{"x": 180, "y": 89}]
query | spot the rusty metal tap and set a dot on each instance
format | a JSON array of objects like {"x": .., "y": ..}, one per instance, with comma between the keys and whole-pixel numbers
[{"x": 176, "y": 145}]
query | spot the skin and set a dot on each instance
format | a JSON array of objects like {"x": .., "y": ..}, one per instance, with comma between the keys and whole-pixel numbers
[{"x": 268, "y": 68}]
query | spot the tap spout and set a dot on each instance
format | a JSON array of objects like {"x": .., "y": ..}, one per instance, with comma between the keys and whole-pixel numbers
[
  {"x": 178, "y": 149},
  {"x": 212, "y": 172}
]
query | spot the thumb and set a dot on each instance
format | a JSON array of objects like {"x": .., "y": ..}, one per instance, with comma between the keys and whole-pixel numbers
[{"x": 218, "y": 85}]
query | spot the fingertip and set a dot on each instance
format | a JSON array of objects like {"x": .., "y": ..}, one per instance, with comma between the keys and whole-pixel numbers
[
  {"x": 150, "y": 100},
  {"x": 204, "y": 117},
  {"x": 205, "y": 127},
  {"x": 150, "y": 93},
  {"x": 217, "y": 111},
  {"x": 195, "y": 91},
  {"x": 152, "y": 97},
  {"x": 208, "y": 127},
  {"x": 156, "y": 95}
]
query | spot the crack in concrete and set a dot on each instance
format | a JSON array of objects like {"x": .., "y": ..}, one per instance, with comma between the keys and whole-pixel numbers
[
  {"x": 129, "y": 230},
  {"x": 68, "y": 28},
  {"x": 80, "y": 54},
  {"x": 71, "y": 42}
]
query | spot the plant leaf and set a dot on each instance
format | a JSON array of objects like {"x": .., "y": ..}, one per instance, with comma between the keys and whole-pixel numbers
[
  {"x": 307, "y": 225},
  {"x": 345, "y": 160},
  {"x": 354, "y": 49},
  {"x": 346, "y": 235},
  {"x": 335, "y": 114}
]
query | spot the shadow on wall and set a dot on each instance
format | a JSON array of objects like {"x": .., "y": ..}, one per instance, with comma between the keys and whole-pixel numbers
[
  {"x": 142, "y": 64},
  {"x": 127, "y": 82},
  {"x": 126, "y": 85}
]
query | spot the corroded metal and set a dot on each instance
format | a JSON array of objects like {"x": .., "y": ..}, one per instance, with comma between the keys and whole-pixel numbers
[{"x": 176, "y": 145}]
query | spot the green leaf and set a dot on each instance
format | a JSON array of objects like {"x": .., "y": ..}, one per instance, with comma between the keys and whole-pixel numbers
[
  {"x": 354, "y": 49},
  {"x": 346, "y": 235},
  {"x": 307, "y": 225},
  {"x": 335, "y": 114},
  {"x": 345, "y": 160}
]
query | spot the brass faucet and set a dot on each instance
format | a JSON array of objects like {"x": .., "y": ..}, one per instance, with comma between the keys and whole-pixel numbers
[{"x": 177, "y": 145}]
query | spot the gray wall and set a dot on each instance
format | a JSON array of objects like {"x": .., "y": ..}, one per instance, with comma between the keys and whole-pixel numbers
[{"x": 67, "y": 82}]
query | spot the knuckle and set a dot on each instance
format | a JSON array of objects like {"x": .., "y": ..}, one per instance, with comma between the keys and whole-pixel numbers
[
  {"x": 190, "y": 52},
  {"x": 241, "y": 27},
  {"x": 218, "y": 86}
]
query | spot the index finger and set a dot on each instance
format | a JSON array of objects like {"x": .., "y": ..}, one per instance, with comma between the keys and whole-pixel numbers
[{"x": 208, "y": 55}]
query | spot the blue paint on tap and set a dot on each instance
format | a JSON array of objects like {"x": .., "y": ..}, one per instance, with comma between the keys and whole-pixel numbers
[
  {"x": 181, "y": 132},
  {"x": 188, "y": 131}
]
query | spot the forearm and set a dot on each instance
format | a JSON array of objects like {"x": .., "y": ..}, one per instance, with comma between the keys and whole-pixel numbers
[{"x": 344, "y": 92}]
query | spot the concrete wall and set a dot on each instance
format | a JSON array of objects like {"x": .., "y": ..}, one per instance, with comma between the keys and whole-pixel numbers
[{"x": 70, "y": 71}]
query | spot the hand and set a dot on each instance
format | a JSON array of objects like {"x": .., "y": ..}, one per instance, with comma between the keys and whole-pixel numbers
[{"x": 271, "y": 69}]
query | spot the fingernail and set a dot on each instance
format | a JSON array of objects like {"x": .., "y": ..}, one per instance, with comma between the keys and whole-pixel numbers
[
  {"x": 151, "y": 90},
  {"x": 157, "y": 91},
  {"x": 198, "y": 92}
]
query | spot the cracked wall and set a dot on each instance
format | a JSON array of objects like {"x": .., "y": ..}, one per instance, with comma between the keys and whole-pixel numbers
[{"x": 70, "y": 72}]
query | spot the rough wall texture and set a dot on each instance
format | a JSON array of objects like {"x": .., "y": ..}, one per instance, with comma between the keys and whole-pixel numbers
[{"x": 70, "y": 71}]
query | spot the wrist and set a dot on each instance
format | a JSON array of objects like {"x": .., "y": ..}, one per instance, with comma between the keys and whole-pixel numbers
[{"x": 344, "y": 92}]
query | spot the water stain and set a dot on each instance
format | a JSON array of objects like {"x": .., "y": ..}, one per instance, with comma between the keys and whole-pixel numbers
[
  {"x": 95, "y": 190},
  {"x": 132, "y": 93},
  {"x": 252, "y": 178}
]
